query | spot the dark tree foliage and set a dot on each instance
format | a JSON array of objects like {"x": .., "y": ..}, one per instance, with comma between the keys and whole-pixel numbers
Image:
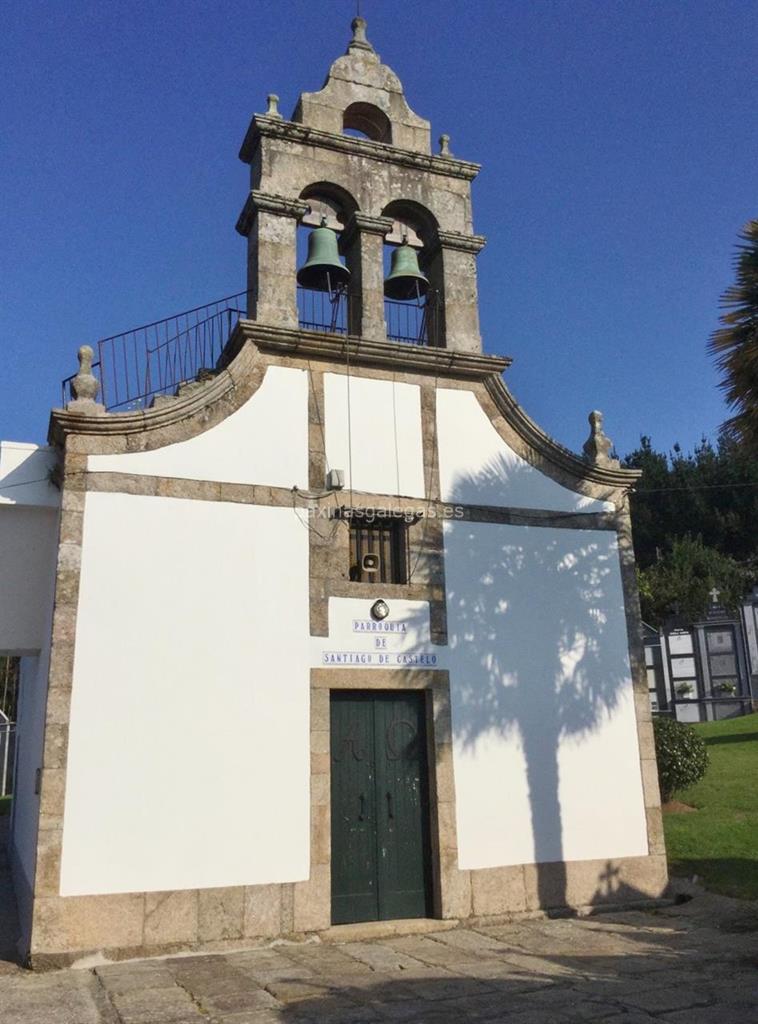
[
  {"x": 682, "y": 579},
  {"x": 735, "y": 343},
  {"x": 682, "y": 755},
  {"x": 711, "y": 493}
]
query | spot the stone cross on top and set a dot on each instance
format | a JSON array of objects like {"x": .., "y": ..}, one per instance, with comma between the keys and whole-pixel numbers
[{"x": 714, "y": 595}]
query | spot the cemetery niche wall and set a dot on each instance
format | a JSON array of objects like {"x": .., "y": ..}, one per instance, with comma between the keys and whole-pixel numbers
[{"x": 708, "y": 670}]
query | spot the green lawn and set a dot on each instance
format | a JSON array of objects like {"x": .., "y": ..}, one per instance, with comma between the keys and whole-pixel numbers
[{"x": 719, "y": 842}]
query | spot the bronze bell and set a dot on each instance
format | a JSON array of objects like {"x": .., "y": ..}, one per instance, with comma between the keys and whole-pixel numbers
[
  {"x": 323, "y": 271},
  {"x": 405, "y": 280}
]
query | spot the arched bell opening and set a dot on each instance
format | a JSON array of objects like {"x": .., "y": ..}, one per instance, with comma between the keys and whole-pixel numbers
[
  {"x": 323, "y": 278},
  {"x": 412, "y": 283},
  {"x": 365, "y": 121}
]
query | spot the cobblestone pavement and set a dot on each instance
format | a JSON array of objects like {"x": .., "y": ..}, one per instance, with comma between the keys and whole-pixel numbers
[{"x": 695, "y": 963}]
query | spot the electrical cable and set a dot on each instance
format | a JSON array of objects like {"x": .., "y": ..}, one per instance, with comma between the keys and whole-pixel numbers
[
  {"x": 434, "y": 468},
  {"x": 26, "y": 483},
  {"x": 349, "y": 420},
  {"x": 696, "y": 487}
]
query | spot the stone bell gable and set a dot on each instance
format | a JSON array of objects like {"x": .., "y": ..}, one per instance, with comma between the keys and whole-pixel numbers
[
  {"x": 369, "y": 186},
  {"x": 360, "y": 92}
]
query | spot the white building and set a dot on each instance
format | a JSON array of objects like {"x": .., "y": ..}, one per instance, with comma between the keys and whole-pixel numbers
[{"x": 256, "y": 704}]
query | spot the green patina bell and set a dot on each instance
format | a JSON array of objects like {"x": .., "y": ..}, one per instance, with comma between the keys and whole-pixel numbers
[
  {"x": 323, "y": 271},
  {"x": 405, "y": 280}
]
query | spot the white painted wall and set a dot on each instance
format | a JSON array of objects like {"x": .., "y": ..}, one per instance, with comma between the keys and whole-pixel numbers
[
  {"x": 28, "y": 547},
  {"x": 539, "y": 661},
  {"x": 190, "y": 710},
  {"x": 30, "y": 736},
  {"x": 477, "y": 467},
  {"x": 25, "y": 475},
  {"x": 189, "y": 758},
  {"x": 264, "y": 442},
  {"x": 382, "y": 419},
  {"x": 28, "y": 550}
]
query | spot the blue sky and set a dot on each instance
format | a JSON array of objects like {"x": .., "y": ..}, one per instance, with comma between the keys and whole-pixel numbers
[{"x": 619, "y": 144}]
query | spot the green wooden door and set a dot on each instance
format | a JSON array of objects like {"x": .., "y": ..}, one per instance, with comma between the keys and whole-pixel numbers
[{"x": 380, "y": 806}]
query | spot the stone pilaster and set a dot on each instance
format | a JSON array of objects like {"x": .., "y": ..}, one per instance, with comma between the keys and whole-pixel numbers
[
  {"x": 363, "y": 241},
  {"x": 648, "y": 763},
  {"x": 453, "y": 261},
  {"x": 270, "y": 224}
]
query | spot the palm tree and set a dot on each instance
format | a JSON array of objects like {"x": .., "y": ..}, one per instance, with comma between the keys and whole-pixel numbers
[{"x": 735, "y": 344}]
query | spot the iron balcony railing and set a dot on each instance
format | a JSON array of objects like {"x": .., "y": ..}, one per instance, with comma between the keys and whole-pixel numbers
[
  {"x": 136, "y": 366},
  {"x": 156, "y": 358},
  {"x": 320, "y": 311},
  {"x": 408, "y": 322},
  {"x": 411, "y": 322}
]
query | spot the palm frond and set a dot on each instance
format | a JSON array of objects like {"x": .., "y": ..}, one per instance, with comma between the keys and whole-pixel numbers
[{"x": 735, "y": 344}]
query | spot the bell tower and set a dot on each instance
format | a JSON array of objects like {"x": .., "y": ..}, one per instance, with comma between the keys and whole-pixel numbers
[{"x": 354, "y": 164}]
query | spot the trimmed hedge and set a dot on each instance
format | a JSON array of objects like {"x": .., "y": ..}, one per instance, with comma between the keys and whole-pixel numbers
[{"x": 682, "y": 755}]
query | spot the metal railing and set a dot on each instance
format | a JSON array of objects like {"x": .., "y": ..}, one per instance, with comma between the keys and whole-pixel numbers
[
  {"x": 320, "y": 311},
  {"x": 135, "y": 366},
  {"x": 156, "y": 358},
  {"x": 7, "y": 756},
  {"x": 409, "y": 322},
  {"x": 413, "y": 323}
]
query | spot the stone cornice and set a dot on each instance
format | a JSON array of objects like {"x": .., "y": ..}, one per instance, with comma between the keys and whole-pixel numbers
[
  {"x": 364, "y": 224},
  {"x": 270, "y": 203},
  {"x": 463, "y": 243},
  {"x": 410, "y": 509},
  {"x": 278, "y": 341},
  {"x": 438, "y": 362},
  {"x": 270, "y": 127},
  {"x": 64, "y": 422},
  {"x": 536, "y": 438}
]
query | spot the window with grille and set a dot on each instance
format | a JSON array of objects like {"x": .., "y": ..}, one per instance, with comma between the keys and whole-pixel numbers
[{"x": 387, "y": 540}]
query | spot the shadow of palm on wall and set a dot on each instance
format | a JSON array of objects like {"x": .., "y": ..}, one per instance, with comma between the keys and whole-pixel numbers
[{"x": 537, "y": 648}]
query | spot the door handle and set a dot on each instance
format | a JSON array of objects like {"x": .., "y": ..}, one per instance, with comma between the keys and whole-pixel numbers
[
  {"x": 390, "y": 815},
  {"x": 362, "y": 807}
]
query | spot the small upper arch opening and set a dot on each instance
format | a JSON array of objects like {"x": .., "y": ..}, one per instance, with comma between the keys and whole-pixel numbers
[
  {"x": 411, "y": 221},
  {"x": 367, "y": 121},
  {"x": 328, "y": 203}
]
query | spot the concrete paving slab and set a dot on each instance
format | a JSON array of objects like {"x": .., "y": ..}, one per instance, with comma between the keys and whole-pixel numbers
[{"x": 696, "y": 963}]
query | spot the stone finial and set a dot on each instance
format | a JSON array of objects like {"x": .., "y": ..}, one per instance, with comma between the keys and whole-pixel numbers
[
  {"x": 597, "y": 448},
  {"x": 359, "y": 40},
  {"x": 85, "y": 385},
  {"x": 444, "y": 141},
  {"x": 273, "y": 105}
]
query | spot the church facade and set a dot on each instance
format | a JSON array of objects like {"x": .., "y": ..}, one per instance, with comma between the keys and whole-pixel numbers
[{"x": 336, "y": 633}]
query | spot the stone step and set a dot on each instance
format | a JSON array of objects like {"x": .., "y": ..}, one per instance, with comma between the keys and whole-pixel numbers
[
  {"x": 365, "y": 931},
  {"x": 159, "y": 401},
  {"x": 187, "y": 387}
]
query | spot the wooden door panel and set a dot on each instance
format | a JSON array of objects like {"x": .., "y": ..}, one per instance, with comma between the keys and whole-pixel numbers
[
  {"x": 354, "y": 875},
  {"x": 402, "y": 805},
  {"x": 381, "y": 866}
]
